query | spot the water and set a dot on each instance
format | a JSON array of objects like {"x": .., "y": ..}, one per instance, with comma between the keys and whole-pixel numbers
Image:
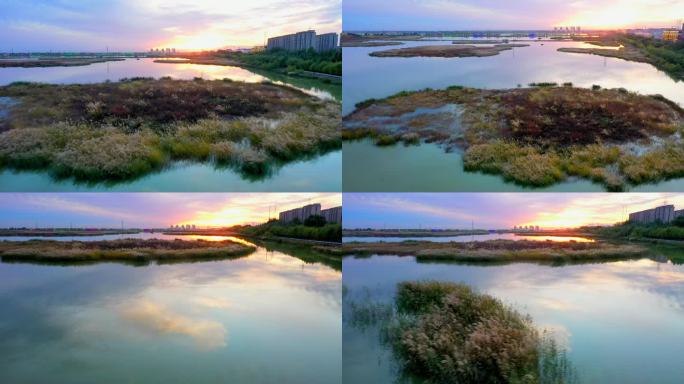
[
  {"x": 320, "y": 174},
  {"x": 116, "y": 70},
  {"x": 466, "y": 238},
  {"x": 622, "y": 322},
  {"x": 140, "y": 235},
  {"x": 368, "y": 77},
  {"x": 427, "y": 167},
  {"x": 265, "y": 318}
]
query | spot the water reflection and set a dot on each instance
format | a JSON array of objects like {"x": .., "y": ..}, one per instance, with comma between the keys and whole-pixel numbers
[
  {"x": 368, "y": 77},
  {"x": 265, "y": 318},
  {"x": 462, "y": 239},
  {"x": 116, "y": 70},
  {"x": 620, "y": 320}
]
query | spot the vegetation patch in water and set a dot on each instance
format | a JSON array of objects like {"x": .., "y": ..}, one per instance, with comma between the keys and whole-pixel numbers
[
  {"x": 120, "y": 250},
  {"x": 123, "y": 130},
  {"x": 537, "y": 136},
  {"x": 448, "y": 333},
  {"x": 499, "y": 250},
  {"x": 454, "y": 50},
  {"x": 56, "y": 62}
]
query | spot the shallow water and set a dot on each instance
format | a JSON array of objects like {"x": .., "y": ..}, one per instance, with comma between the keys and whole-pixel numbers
[
  {"x": 204, "y": 322},
  {"x": 117, "y": 70},
  {"x": 140, "y": 235},
  {"x": 368, "y": 77},
  {"x": 428, "y": 168},
  {"x": 620, "y": 321},
  {"x": 463, "y": 239},
  {"x": 320, "y": 174}
]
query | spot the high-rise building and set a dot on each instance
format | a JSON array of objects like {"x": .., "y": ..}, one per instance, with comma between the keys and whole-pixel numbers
[
  {"x": 326, "y": 42},
  {"x": 301, "y": 213},
  {"x": 332, "y": 215},
  {"x": 302, "y": 41},
  {"x": 663, "y": 214}
]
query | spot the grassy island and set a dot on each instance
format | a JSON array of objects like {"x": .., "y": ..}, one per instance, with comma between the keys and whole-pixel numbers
[
  {"x": 123, "y": 130},
  {"x": 536, "y": 136},
  {"x": 447, "y": 333},
  {"x": 124, "y": 250},
  {"x": 56, "y": 62},
  {"x": 454, "y": 50},
  {"x": 499, "y": 250}
]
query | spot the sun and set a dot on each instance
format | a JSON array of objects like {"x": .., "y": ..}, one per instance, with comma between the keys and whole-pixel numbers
[
  {"x": 199, "y": 42},
  {"x": 226, "y": 217}
]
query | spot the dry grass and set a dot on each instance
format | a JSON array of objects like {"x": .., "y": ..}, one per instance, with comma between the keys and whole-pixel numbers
[
  {"x": 543, "y": 135},
  {"x": 124, "y": 130},
  {"x": 120, "y": 250},
  {"x": 500, "y": 250}
]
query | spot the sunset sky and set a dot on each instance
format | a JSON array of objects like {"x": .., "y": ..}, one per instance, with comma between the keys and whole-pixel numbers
[
  {"x": 495, "y": 210},
  {"x": 127, "y": 25},
  {"x": 498, "y": 14},
  {"x": 149, "y": 210}
]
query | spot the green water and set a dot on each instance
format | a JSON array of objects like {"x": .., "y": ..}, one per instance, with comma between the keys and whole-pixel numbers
[
  {"x": 427, "y": 168},
  {"x": 270, "y": 317},
  {"x": 320, "y": 174},
  {"x": 621, "y": 322}
]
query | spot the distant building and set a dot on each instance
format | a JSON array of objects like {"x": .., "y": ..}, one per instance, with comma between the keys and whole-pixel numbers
[
  {"x": 663, "y": 214},
  {"x": 332, "y": 215},
  {"x": 258, "y": 48},
  {"x": 671, "y": 35},
  {"x": 302, "y": 41}
]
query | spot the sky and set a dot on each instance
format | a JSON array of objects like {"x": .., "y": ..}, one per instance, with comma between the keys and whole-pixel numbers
[
  {"x": 149, "y": 210},
  {"x": 138, "y": 25},
  {"x": 506, "y": 14},
  {"x": 496, "y": 210}
]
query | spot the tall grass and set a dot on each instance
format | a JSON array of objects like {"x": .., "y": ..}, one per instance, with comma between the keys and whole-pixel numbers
[{"x": 447, "y": 333}]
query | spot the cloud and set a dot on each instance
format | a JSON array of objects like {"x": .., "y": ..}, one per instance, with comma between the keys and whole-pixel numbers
[
  {"x": 155, "y": 318},
  {"x": 140, "y": 25}
]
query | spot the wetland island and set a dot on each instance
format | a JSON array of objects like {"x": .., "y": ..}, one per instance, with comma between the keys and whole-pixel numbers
[{"x": 513, "y": 111}]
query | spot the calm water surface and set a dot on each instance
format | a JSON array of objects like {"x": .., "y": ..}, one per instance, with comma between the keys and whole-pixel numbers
[
  {"x": 265, "y": 318},
  {"x": 622, "y": 322},
  {"x": 426, "y": 167},
  {"x": 321, "y": 173},
  {"x": 462, "y": 239}
]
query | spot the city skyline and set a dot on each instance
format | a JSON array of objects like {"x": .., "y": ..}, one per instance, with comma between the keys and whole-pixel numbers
[
  {"x": 150, "y": 210},
  {"x": 40, "y": 25},
  {"x": 495, "y": 211},
  {"x": 519, "y": 15}
]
